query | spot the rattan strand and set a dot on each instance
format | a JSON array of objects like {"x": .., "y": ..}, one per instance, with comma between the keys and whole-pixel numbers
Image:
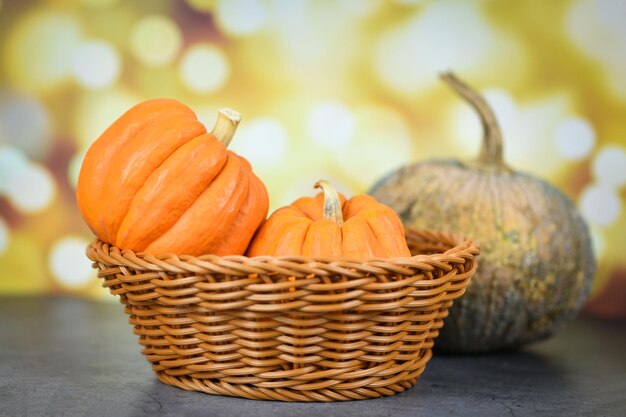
[{"x": 290, "y": 328}]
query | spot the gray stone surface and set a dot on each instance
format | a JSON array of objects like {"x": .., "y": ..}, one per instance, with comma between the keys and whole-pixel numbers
[{"x": 68, "y": 357}]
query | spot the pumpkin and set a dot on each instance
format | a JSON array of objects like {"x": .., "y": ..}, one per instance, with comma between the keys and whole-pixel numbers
[
  {"x": 156, "y": 181},
  {"x": 329, "y": 226},
  {"x": 537, "y": 263}
]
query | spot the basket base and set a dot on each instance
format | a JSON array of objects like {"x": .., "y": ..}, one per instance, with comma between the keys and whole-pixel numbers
[{"x": 216, "y": 387}]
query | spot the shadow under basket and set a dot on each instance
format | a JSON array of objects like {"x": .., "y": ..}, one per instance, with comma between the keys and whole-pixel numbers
[{"x": 290, "y": 328}]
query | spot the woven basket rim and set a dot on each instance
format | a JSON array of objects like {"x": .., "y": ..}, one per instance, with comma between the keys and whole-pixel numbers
[{"x": 459, "y": 250}]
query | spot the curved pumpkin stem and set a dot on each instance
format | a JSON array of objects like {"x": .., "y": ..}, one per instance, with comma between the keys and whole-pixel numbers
[
  {"x": 491, "y": 151},
  {"x": 226, "y": 125},
  {"x": 332, "y": 204}
]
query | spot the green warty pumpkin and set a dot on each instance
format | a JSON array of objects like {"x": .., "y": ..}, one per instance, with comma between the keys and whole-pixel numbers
[{"x": 536, "y": 265}]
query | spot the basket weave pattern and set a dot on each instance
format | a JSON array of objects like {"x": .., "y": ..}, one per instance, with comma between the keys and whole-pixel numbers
[{"x": 290, "y": 328}]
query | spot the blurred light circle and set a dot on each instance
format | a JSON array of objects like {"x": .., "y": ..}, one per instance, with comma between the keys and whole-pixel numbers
[
  {"x": 528, "y": 135},
  {"x": 12, "y": 162},
  {"x": 68, "y": 263},
  {"x": 331, "y": 125},
  {"x": 74, "y": 166},
  {"x": 95, "y": 110},
  {"x": 4, "y": 236},
  {"x": 382, "y": 143},
  {"x": 600, "y": 205},
  {"x": 262, "y": 141},
  {"x": 596, "y": 28},
  {"x": 99, "y": 4},
  {"x": 155, "y": 40},
  {"x": 574, "y": 138},
  {"x": 38, "y": 51},
  {"x": 202, "y": 5},
  {"x": 609, "y": 166},
  {"x": 408, "y": 57},
  {"x": 25, "y": 124},
  {"x": 204, "y": 68},
  {"x": 240, "y": 17},
  {"x": 96, "y": 65},
  {"x": 32, "y": 189}
]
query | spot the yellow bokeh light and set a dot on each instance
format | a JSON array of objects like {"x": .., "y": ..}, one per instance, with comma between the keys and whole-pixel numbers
[
  {"x": 408, "y": 57},
  {"x": 609, "y": 166},
  {"x": 204, "y": 68},
  {"x": 240, "y": 17},
  {"x": 597, "y": 29},
  {"x": 96, "y": 110},
  {"x": 600, "y": 205},
  {"x": 331, "y": 125},
  {"x": 444, "y": 35},
  {"x": 38, "y": 50},
  {"x": 262, "y": 141},
  {"x": 96, "y": 64},
  {"x": 368, "y": 156},
  {"x": 155, "y": 40},
  {"x": 574, "y": 138},
  {"x": 12, "y": 162},
  {"x": 68, "y": 263},
  {"x": 32, "y": 189}
]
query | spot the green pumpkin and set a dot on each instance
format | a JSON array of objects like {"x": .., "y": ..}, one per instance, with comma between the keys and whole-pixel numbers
[{"x": 536, "y": 265}]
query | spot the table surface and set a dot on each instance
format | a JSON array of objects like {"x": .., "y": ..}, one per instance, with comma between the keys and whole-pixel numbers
[{"x": 71, "y": 357}]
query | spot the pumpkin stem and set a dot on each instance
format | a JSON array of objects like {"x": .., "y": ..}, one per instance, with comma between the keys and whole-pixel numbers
[
  {"x": 225, "y": 125},
  {"x": 332, "y": 204},
  {"x": 491, "y": 151}
]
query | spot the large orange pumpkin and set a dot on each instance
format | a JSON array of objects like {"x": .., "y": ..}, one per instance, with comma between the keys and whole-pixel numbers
[
  {"x": 328, "y": 226},
  {"x": 157, "y": 181}
]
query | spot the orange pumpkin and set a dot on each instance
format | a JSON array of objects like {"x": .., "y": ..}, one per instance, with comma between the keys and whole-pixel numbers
[
  {"x": 328, "y": 226},
  {"x": 157, "y": 181}
]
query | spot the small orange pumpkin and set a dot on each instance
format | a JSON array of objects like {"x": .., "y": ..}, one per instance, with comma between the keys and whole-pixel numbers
[
  {"x": 157, "y": 181},
  {"x": 328, "y": 226}
]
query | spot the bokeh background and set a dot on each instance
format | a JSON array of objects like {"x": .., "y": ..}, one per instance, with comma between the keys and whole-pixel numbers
[{"x": 344, "y": 90}]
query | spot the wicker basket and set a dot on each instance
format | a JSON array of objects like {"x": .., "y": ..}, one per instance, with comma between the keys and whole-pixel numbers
[{"x": 290, "y": 328}]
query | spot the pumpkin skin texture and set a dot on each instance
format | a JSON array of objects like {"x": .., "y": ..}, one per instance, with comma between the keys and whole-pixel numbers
[
  {"x": 537, "y": 263},
  {"x": 329, "y": 226},
  {"x": 156, "y": 181}
]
